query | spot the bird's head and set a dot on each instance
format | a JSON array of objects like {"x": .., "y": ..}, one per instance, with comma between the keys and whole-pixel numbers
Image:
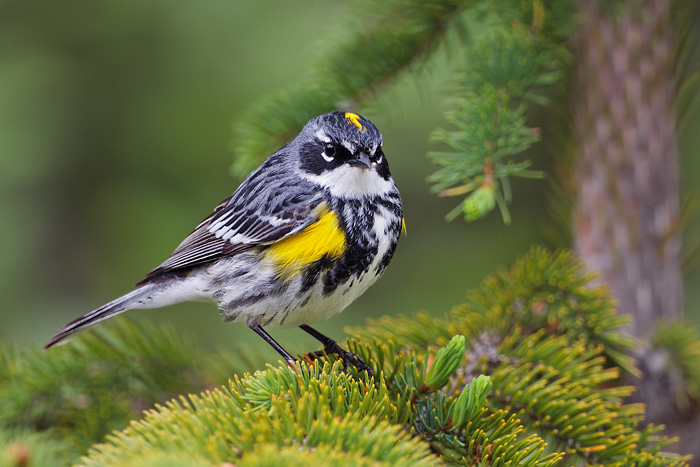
[{"x": 342, "y": 151}]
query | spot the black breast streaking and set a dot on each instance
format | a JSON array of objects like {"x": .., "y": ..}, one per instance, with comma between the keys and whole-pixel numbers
[{"x": 372, "y": 228}]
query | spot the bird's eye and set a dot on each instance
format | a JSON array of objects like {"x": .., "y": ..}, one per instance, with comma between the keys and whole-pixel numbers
[
  {"x": 329, "y": 152},
  {"x": 380, "y": 155}
]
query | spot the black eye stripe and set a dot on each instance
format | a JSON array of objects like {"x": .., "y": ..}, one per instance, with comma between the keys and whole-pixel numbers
[
  {"x": 343, "y": 152},
  {"x": 335, "y": 151}
]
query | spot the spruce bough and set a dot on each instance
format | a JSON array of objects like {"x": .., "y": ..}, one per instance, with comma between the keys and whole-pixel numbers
[{"x": 526, "y": 372}]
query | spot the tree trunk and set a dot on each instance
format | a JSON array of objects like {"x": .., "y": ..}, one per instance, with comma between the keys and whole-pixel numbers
[
  {"x": 627, "y": 205},
  {"x": 626, "y": 210}
]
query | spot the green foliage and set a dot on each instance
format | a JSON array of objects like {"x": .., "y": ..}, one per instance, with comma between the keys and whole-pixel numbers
[
  {"x": 550, "y": 397},
  {"x": 487, "y": 131},
  {"x": 679, "y": 345},
  {"x": 111, "y": 374},
  {"x": 547, "y": 337},
  {"x": 31, "y": 449},
  {"x": 312, "y": 408},
  {"x": 387, "y": 38},
  {"x": 542, "y": 290},
  {"x": 503, "y": 71},
  {"x": 471, "y": 399},
  {"x": 545, "y": 290},
  {"x": 444, "y": 364},
  {"x": 524, "y": 373},
  {"x": 303, "y": 408},
  {"x": 522, "y": 52}
]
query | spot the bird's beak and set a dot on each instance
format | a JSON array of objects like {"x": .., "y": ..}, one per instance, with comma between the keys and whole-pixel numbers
[{"x": 362, "y": 161}]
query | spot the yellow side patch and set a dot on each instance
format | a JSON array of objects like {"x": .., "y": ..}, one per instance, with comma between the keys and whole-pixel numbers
[
  {"x": 403, "y": 227},
  {"x": 323, "y": 237},
  {"x": 354, "y": 119}
]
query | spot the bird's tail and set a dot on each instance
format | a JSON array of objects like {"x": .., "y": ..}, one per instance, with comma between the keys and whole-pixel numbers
[{"x": 137, "y": 298}]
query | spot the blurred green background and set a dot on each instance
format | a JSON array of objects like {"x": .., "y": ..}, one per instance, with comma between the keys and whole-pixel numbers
[{"x": 115, "y": 141}]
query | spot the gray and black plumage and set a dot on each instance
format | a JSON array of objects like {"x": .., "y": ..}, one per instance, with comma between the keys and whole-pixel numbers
[{"x": 301, "y": 238}]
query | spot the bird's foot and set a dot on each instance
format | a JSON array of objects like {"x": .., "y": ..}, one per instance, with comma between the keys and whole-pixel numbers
[{"x": 348, "y": 358}]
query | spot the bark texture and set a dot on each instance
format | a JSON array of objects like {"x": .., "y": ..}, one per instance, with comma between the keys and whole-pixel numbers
[{"x": 627, "y": 203}]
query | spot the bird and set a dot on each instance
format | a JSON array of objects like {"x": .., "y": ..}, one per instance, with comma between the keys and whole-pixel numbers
[{"x": 304, "y": 235}]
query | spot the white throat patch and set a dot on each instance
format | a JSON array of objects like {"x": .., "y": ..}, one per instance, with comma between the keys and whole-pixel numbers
[{"x": 352, "y": 182}]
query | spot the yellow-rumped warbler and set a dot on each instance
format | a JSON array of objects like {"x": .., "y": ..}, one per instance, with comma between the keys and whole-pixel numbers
[{"x": 302, "y": 237}]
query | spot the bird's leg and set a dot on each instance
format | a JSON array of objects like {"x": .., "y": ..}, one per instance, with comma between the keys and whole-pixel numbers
[
  {"x": 261, "y": 332},
  {"x": 331, "y": 347}
]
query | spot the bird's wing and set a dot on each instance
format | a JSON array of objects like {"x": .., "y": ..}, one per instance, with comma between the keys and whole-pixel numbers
[{"x": 255, "y": 215}]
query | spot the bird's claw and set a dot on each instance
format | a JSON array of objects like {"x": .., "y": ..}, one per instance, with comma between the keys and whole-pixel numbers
[{"x": 348, "y": 358}]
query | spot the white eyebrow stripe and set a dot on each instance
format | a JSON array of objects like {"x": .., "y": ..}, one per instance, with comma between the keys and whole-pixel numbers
[
  {"x": 321, "y": 135},
  {"x": 349, "y": 146}
]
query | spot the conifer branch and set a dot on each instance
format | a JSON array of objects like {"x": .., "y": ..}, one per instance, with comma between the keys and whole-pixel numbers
[
  {"x": 503, "y": 72},
  {"x": 99, "y": 382},
  {"x": 358, "y": 64},
  {"x": 525, "y": 373}
]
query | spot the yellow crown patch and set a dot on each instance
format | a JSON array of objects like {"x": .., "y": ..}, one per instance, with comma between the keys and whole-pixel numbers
[{"x": 354, "y": 119}]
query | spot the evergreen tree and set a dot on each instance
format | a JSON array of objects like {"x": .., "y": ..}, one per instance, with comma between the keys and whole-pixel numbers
[
  {"x": 525, "y": 372},
  {"x": 530, "y": 370},
  {"x": 617, "y": 68}
]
